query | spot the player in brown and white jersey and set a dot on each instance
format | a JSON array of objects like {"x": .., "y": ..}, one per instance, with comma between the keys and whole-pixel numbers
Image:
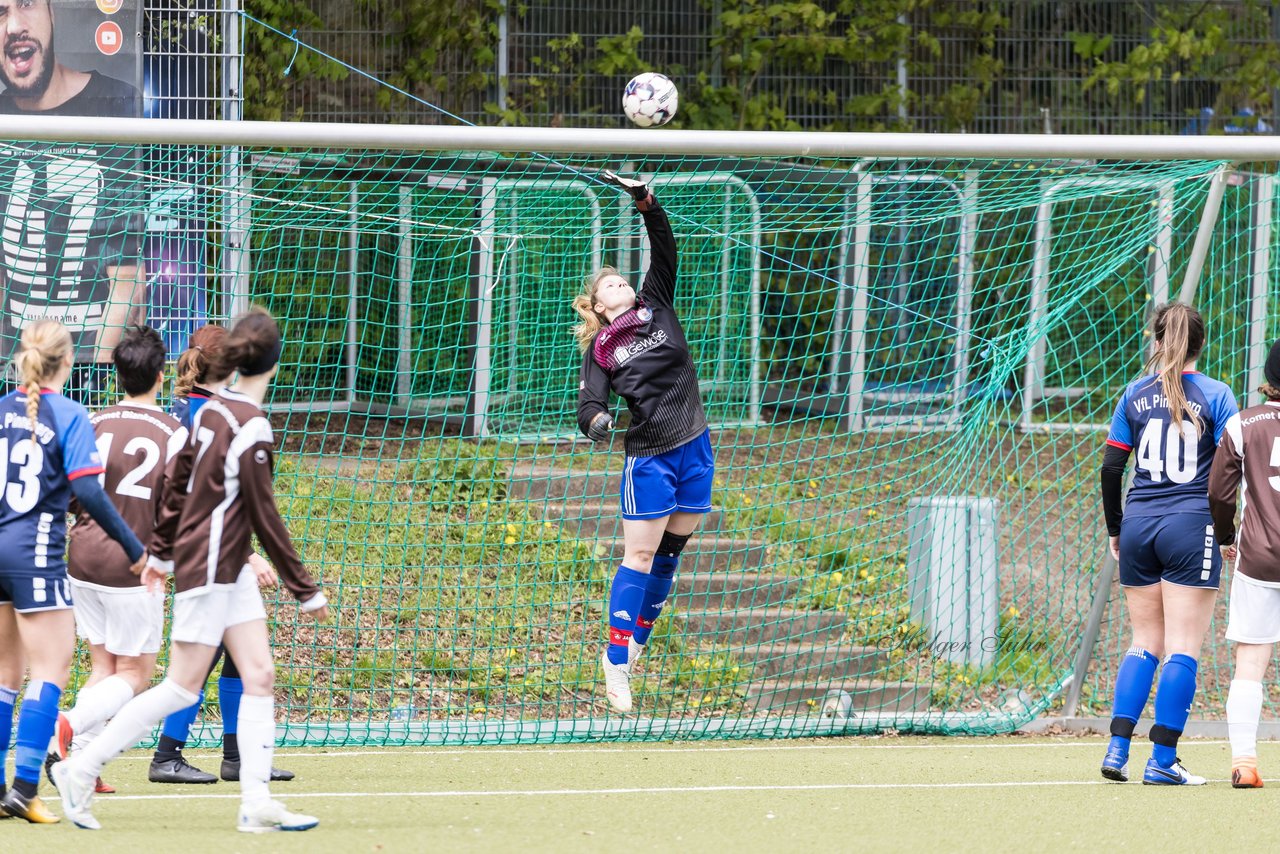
[
  {"x": 219, "y": 496},
  {"x": 122, "y": 621},
  {"x": 1248, "y": 461}
]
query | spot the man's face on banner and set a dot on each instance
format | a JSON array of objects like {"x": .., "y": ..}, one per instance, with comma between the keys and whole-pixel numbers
[{"x": 27, "y": 62}]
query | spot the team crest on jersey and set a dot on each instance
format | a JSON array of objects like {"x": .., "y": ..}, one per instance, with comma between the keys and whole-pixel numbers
[
  {"x": 645, "y": 315},
  {"x": 260, "y": 455}
]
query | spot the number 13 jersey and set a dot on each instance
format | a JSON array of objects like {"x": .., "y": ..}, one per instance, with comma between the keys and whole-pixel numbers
[
  {"x": 136, "y": 444},
  {"x": 1171, "y": 472}
]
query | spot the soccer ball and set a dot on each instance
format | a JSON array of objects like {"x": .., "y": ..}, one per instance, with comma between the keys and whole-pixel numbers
[{"x": 650, "y": 99}]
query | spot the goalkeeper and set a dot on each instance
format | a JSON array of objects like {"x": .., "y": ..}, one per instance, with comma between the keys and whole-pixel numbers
[
  {"x": 635, "y": 347},
  {"x": 1247, "y": 457}
]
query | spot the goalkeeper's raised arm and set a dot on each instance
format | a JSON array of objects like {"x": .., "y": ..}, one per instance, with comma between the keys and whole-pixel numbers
[{"x": 634, "y": 347}]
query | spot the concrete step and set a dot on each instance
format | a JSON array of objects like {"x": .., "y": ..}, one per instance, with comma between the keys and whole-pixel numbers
[
  {"x": 812, "y": 661},
  {"x": 557, "y": 485},
  {"x": 865, "y": 695},
  {"x": 749, "y": 626},
  {"x": 601, "y": 521},
  {"x": 713, "y": 591},
  {"x": 707, "y": 554}
]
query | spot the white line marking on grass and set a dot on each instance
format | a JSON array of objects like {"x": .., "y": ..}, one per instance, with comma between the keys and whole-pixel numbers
[
  {"x": 658, "y": 747},
  {"x": 642, "y": 790}
]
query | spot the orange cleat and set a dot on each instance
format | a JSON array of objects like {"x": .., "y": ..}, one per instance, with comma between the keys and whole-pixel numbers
[
  {"x": 102, "y": 788},
  {"x": 1245, "y": 777}
]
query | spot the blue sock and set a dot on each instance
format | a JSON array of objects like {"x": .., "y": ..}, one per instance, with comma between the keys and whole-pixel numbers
[
  {"x": 625, "y": 596},
  {"x": 1133, "y": 687},
  {"x": 8, "y": 696},
  {"x": 1174, "y": 693},
  {"x": 178, "y": 725},
  {"x": 656, "y": 590},
  {"x": 230, "y": 689},
  {"x": 36, "y": 723}
]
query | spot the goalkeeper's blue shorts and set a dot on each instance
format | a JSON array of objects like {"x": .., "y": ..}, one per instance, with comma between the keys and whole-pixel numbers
[
  {"x": 1178, "y": 547},
  {"x": 679, "y": 480}
]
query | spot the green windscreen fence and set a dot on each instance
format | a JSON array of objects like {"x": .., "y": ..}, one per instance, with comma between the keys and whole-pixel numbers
[{"x": 909, "y": 366}]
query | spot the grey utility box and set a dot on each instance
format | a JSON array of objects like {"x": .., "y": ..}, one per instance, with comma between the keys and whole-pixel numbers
[{"x": 952, "y": 549}]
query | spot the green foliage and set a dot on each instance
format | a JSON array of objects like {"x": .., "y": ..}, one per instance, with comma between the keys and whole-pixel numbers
[{"x": 267, "y": 57}]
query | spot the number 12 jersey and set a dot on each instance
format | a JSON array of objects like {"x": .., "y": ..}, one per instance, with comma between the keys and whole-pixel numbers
[{"x": 1171, "y": 473}]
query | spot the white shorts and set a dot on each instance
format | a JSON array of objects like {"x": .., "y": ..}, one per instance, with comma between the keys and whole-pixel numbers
[
  {"x": 128, "y": 621},
  {"x": 205, "y": 616},
  {"x": 1254, "y": 611}
]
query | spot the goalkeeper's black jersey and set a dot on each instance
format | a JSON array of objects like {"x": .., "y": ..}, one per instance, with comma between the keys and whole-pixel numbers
[{"x": 642, "y": 356}]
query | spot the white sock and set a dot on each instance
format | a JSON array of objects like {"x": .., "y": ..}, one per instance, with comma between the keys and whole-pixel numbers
[
  {"x": 82, "y": 738},
  {"x": 132, "y": 723},
  {"x": 99, "y": 704},
  {"x": 257, "y": 739},
  {"x": 1244, "y": 709}
]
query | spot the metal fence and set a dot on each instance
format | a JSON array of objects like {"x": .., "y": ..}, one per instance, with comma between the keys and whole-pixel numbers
[{"x": 544, "y": 58}]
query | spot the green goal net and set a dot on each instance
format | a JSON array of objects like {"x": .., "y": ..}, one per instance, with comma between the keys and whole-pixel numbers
[{"x": 909, "y": 366}]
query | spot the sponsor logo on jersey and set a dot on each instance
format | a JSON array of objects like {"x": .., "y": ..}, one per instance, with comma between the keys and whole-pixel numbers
[{"x": 641, "y": 345}]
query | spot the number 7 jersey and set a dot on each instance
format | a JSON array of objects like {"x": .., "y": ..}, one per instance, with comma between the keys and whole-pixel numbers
[
  {"x": 1171, "y": 471},
  {"x": 136, "y": 444}
]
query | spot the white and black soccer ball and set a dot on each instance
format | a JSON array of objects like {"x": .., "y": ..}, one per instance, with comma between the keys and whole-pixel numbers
[{"x": 650, "y": 99}]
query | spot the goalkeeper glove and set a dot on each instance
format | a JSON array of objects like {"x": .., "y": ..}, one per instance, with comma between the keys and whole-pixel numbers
[
  {"x": 638, "y": 189},
  {"x": 598, "y": 430}
]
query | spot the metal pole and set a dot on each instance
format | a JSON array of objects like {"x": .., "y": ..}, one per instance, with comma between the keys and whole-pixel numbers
[
  {"x": 353, "y": 285},
  {"x": 861, "y": 282},
  {"x": 1204, "y": 236},
  {"x": 1084, "y": 654},
  {"x": 504, "y": 44},
  {"x": 404, "y": 281},
  {"x": 236, "y": 178},
  {"x": 1260, "y": 277}
]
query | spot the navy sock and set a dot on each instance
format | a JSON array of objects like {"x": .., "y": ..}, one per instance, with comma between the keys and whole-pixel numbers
[
  {"x": 36, "y": 723},
  {"x": 1174, "y": 694},
  {"x": 656, "y": 590},
  {"x": 8, "y": 696},
  {"x": 176, "y": 730},
  {"x": 230, "y": 690},
  {"x": 625, "y": 597},
  {"x": 1133, "y": 687}
]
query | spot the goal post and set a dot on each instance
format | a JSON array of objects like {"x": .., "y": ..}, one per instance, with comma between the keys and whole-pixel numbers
[{"x": 906, "y": 531}]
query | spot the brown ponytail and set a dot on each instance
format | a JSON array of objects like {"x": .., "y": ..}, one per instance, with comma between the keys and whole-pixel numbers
[
  {"x": 584, "y": 304},
  {"x": 252, "y": 346},
  {"x": 44, "y": 349},
  {"x": 196, "y": 364},
  {"x": 1180, "y": 330}
]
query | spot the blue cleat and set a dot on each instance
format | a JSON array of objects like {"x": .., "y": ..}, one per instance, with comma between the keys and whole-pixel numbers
[
  {"x": 1175, "y": 775},
  {"x": 1115, "y": 766}
]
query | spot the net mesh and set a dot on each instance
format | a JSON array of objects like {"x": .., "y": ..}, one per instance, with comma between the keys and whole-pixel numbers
[{"x": 908, "y": 367}]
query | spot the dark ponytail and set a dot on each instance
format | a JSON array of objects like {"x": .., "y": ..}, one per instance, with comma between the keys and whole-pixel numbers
[
  {"x": 252, "y": 346},
  {"x": 1180, "y": 330}
]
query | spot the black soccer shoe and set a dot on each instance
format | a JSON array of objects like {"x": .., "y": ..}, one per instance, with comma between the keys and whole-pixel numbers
[
  {"x": 231, "y": 773},
  {"x": 178, "y": 771}
]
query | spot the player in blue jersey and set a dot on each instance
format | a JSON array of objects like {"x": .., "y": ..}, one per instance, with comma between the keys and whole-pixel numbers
[
  {"x": 1163, "y": 538},
  {"x": 198, "y": 381},
  {"x": 48, "y": 452}
]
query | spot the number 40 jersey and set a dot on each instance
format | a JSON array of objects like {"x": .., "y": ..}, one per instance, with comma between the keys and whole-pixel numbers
[
  {"x": 135, "y": 443},
  {"x": 1171, "y": 471}
]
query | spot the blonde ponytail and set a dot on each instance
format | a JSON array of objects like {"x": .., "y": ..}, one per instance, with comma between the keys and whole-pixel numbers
[
  {"x": 1180, "y": 330},
  {"x": 196, "y": 364},
  {"x": 45, "y": 346},
  {"x": 584, "y": 304}
]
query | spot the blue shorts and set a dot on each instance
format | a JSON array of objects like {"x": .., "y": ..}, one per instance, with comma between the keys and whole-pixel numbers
[
  {"x": 28, "y": 588},
  {"x": 679, "y": 480},
  {"x": 1179, "y": 548}
]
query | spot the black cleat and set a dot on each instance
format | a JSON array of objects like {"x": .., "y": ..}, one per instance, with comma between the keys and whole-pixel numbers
[
  {"x": 231, "y": 773},
  {"x": 18, "y": 805},
  {"x": 178, "y": 771}
]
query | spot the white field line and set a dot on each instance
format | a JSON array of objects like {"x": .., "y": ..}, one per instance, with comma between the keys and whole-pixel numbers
[
  {"x": 639, "y": 790},
  {"x": 657, "y": 747}
]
